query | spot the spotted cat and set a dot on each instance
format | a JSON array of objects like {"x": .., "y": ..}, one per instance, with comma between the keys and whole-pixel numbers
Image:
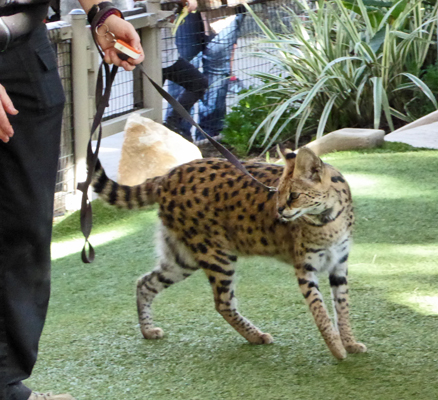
[{"x": 211, "y": 214}]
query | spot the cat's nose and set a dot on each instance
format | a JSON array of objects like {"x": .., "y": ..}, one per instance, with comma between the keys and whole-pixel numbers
[{"x": 281, "y": 209}]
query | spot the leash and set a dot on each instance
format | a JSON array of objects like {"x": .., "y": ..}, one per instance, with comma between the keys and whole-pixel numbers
[
  {"x": 102, "y": 100},
  {"x": 183, "y": 113},
  {"x": 102, "y": 97}
]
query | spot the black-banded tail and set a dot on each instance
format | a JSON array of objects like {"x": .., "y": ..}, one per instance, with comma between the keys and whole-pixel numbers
[{"x": 123, "y": 196}]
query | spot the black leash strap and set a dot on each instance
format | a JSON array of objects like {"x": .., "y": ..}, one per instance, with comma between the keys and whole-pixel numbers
[
  {"x": 183, "y": 113},
  {"x": 102, "y": 97},
  {"x": 86, "y": 216}
]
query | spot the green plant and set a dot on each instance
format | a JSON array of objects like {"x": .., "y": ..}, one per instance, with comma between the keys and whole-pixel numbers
[
  {"x": 430, "y": 78},
  {"x": 346, "y": 64},
  {"x": 246, "y": 116}
]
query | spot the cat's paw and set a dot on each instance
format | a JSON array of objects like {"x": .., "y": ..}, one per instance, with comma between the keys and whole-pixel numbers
[
  {"x": 339, "y": 352},
  {"x": 152, "y": 333},
  {"x": 263, "y": 338},
  {"x": 355, "y": 348},
  {"x": 336, "y": 347}
]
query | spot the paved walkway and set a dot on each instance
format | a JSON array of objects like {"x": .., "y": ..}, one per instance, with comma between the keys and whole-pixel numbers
[
  {"x": 110, "y": 153},
  {"x": 420, "y": 133},
  {"x": 421, "y": 136}
]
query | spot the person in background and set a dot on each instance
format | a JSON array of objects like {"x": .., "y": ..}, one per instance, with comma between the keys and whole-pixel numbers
[
  {"x": 31, "y": 105},
  {"x": 194, "y": 85},
  {"x": 207, "y": 36}
]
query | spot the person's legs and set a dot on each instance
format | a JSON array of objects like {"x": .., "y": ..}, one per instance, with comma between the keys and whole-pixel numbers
[
  {"x": 216, "y": 63},
  {"x": 28, "y": 165},
  {"x": 189, "y": 40},
  {"x": 194, "y": 84}
]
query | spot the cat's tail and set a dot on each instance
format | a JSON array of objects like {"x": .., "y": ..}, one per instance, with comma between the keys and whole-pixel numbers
[{"x": 124, "y": 196}]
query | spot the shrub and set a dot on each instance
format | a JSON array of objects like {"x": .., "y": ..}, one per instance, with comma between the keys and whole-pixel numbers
[
  {"x": 246, "y": 116},
  {"x": 346, "y": 64},
  {"x": 417, "y": 106}
]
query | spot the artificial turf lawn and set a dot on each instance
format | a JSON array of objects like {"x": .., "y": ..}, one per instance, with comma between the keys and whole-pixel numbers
[{"x": 92, "y": 347}]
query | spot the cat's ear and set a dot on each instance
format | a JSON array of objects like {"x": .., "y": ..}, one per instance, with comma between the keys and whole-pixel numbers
[
  {"x": 308, "y": 165},
  {"x": 288, "y": 157}
]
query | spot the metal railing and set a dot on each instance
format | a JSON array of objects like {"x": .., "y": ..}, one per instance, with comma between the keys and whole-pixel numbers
[{"x": 78, "y": 64}]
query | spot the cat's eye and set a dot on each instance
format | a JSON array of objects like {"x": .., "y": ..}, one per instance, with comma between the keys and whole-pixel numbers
[{"x": 292, "y": 197}]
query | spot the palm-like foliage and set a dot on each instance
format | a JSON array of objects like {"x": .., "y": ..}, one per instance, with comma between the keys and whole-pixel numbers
[{"x": 346, "y": 63}]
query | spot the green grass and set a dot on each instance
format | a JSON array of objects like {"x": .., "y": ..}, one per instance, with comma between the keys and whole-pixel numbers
[{"x": 92, "y": 346}]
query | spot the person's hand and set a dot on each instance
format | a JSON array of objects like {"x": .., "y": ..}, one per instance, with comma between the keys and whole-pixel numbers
[
  {"x": 6, "y": 107},
  {"x": 122, "y": 30},
  {"x": 191, "y": 5}
]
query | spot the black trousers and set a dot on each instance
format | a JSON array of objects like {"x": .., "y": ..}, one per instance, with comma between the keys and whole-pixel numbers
[
  {"x": 28, "y": 165},
  {"x": 192, "y": 80}
]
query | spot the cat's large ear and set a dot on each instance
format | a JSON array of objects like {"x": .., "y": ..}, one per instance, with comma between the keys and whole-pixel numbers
[
  {"x": 308, "y": 165},
  {"x": 288, "y": 157}
]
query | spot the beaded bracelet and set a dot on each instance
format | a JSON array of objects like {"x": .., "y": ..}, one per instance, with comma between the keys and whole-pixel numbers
[{"x": 111, "y": 11}]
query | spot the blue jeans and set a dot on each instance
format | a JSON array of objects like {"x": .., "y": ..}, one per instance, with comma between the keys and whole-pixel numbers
[{"x": 215, "y": 54}]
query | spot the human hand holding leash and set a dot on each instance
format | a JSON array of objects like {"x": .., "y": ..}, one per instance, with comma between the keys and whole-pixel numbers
[
  {"x": 108, "y": 27},
  {"x": 124, "y": 31}
]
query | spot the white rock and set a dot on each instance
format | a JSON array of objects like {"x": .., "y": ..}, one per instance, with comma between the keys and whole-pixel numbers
[{"x": 150, "y": 149}]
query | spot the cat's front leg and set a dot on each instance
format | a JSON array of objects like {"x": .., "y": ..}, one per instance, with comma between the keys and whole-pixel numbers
[
  {"x": 308, "y": 284},
  {"x": 339, "y": 287}
]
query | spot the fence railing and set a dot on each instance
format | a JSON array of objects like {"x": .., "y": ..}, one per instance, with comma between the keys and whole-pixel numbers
[{"x": 78, "y": 64}]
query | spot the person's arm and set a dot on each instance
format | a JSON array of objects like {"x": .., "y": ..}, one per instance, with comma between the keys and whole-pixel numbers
[{"x": 122, "y": 30}]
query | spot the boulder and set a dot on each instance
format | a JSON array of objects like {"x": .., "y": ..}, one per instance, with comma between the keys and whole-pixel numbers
[
  {"x": 150, "y": 149},
  {"x": 347, "y": 139}
]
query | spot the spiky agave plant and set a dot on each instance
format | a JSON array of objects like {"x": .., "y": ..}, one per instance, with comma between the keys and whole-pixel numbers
[{"x": 345, "y": 63}]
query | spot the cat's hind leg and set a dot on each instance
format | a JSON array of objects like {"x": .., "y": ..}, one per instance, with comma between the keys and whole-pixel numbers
[
  {"x": 175, "y": 264},
  {"x": 219, "y": 268}
]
